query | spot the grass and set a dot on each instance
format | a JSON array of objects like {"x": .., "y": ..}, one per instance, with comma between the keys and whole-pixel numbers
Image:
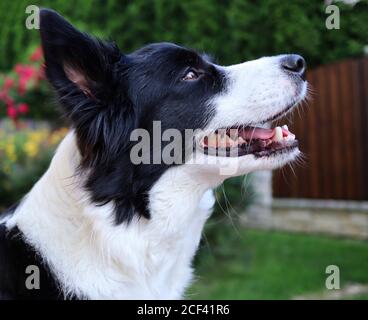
[
  {"x": 360, "y": 297},
  {"x": 248, "y": 264}
]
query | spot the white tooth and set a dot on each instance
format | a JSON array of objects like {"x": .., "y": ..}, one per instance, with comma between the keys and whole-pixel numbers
[
  {"x": 240, "y": 140},
  {"x": 278, "y": 134},
  {"x": 230, "y": 142},
  {"x": 290, "y": 137},
  {"x": 212, "y": 140},
  {"x": 222, "y": 139},
  {"x": 285, "y": 127},
  {"x": 232, "y": 139},
  {"x": 233, "y": 134}
]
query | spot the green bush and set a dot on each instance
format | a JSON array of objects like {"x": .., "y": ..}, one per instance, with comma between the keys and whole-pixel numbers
[{"x": 232, "y": 30}]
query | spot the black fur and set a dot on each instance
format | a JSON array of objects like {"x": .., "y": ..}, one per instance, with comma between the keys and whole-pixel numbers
[
  {"x": 16, "y": 255},
  {"x": 121, "y": 93}
]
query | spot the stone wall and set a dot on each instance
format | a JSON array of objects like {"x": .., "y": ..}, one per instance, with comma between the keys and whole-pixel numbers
[{"x": 335, "y": 217}]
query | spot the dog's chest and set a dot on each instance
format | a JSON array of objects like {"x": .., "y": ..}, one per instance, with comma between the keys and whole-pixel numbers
[
  {"x": 156, "y": 261},
  {"x": 93, "y": 258}
]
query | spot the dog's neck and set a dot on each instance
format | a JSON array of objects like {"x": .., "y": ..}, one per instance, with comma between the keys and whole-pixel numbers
[{"x": 94, "y": 258}]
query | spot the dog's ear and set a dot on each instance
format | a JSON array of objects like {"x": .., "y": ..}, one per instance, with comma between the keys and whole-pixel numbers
[
  {"x": 76, "y": 59},
  {"x": 89, "y": 77},
  {"x": 83, "y": 71}
]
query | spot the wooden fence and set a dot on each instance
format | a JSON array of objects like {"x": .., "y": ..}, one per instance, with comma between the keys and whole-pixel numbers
[{"x": 333, "y": 134}]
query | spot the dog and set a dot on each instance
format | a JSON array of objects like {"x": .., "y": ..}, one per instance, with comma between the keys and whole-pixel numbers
[{"x": 99, "y": 226}]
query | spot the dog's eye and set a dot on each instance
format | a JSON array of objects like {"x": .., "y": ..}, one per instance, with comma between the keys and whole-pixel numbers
[{"x": 190, "y": 76}]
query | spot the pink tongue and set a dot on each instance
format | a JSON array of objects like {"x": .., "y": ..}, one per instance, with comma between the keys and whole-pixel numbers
[{"x": 256, "y": 133}]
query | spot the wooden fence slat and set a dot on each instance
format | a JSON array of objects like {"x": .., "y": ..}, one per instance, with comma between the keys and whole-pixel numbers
[
  {"x": 364, "y": 95},
  {"x": 312, "y": 189},
  {"x": 358, "y": 129},
  {"x": 347, "y": 129},
  {"x": 335, "y": 149}
]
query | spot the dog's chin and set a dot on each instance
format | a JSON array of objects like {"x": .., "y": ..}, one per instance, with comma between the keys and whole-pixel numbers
[{"x": 225, "y": 167}]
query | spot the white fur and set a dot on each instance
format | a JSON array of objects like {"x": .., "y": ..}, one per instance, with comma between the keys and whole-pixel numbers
[
  {"x": 4, "y": 219},
  {"x": 147, "y": 259},
  {"x": 258, "y": 89}
]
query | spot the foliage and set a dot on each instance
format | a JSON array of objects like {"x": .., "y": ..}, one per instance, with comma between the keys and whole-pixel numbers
[
  {"x": 247, "y": 264},
  {"x": 18, "y": 85},
  {"x": 24, "y": 85},
  {"x": 24, "y": 156},
  {"x": 232, "y": 30}
]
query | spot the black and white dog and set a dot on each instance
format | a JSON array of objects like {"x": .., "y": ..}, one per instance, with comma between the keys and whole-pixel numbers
[{"x": 99, "y": 226}]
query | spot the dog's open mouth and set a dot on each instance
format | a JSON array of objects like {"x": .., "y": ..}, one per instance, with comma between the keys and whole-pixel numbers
[{"x": 261, "y": 142}]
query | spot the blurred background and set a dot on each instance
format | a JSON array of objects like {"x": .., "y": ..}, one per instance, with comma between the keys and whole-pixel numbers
[{"x": 272, "y": 235}]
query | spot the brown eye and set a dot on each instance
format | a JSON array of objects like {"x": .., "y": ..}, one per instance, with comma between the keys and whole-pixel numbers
[{"x": 190, "y": 76}]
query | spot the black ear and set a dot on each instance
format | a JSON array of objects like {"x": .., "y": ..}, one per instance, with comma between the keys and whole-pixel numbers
[
  {"x": 75, "y": 58},
  {"x": 83, "y": 71},
  {"x": 89, "y": 77}
]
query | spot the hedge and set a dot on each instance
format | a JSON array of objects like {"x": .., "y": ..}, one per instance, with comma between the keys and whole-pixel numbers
[{"x": 231, "y": 30}]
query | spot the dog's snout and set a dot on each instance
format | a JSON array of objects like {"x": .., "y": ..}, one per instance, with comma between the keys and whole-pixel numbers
[{"x": 294, "y": 63}]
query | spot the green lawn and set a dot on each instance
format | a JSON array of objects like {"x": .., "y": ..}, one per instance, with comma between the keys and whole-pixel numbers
[{"x": 247, "y": 264}]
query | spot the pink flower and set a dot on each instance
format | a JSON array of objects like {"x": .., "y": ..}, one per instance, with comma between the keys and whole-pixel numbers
[
  {"x": 12, "y": 112},
  {"x": 8, "y": 100},
  {"x": 22, "y": 86},
  {"x": 18, "y": 68},
  {"x": 23, "y": 108},
  {"x": 8, "y": 83},
  {"x": 37, "y": 54},
  {"x": 24, "y": 71},
  {"x": 29, "y": 72},
  {"x": 3, "y": 95}
]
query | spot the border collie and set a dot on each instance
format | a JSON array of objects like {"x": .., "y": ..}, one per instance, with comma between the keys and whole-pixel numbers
[{"x": 99, "y": 226}]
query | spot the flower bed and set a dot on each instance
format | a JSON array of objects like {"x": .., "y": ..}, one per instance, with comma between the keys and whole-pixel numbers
[{"x": 24, "y": 156}]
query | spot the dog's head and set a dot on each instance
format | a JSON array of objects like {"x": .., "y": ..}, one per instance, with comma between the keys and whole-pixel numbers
[{"x": 107, "y": 95}]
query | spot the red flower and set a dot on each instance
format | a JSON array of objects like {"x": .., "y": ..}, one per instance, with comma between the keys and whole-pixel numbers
[
  {"x": 8, "y": 83},
  {"x": 24, "y": 71},
  {"x": 8, "y": 100},
  {"x": 37, "y": 54},
  {"x": 23, "y": 108},
  {"x": 18, "y": 68},
  {"x": 22, "y": 86},
  {"x": 12, "y": 112},
  {"x": 3, "y": 95},
  {"x": 28, "y": 77}
]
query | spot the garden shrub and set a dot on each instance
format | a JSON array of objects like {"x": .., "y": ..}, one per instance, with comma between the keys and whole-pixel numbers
[
  {"x": 232, "y": 30},
  {"x": 24, "y": 156},
  {"x": 25, "y": 85}
]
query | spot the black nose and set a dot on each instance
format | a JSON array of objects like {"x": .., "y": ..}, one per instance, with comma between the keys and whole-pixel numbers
[{"x": 294, "y": 63}]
